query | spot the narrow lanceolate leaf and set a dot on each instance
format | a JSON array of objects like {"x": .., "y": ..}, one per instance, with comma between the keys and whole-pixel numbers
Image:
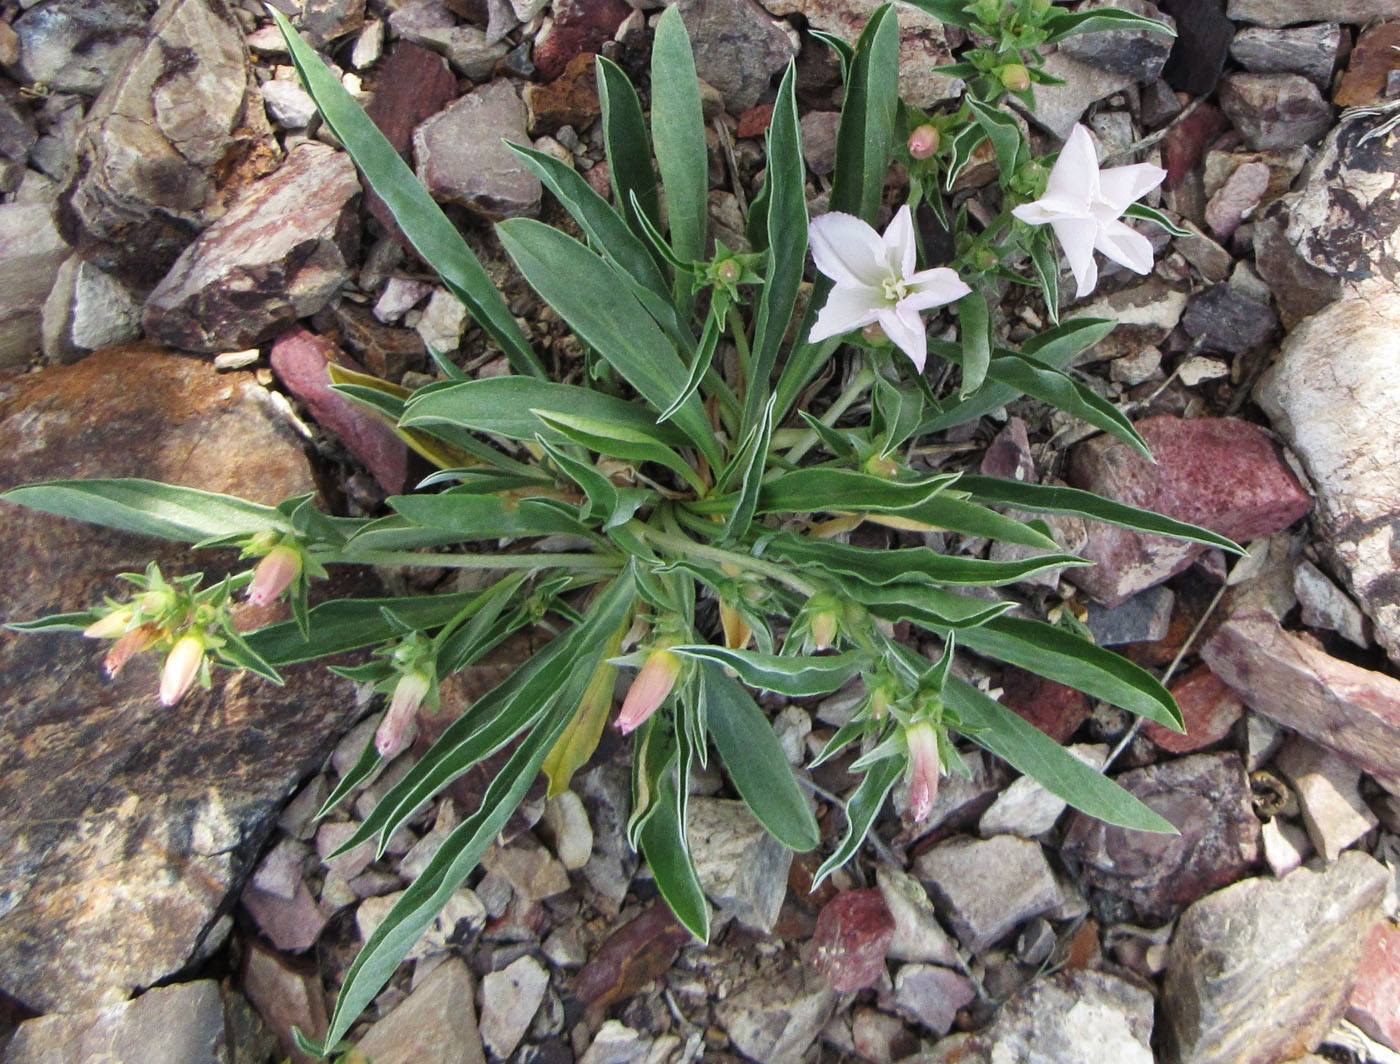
[
  {"x": 473, "y": 516},
  {"x": 865, "y": 137},
  {"x": 1065, "y": 393},
  {"x": 795, "y": 676},
  {"x": 421, "y": 219},
  {"x": 861, "y": 810},
  {"x": 974, "y": 329},
  {"x": 1029, "y": 750},
  {"x": 678, "y": 136},
  {"x": 1045, "y": 260},
  {"x": 1052, "y": 499},
  {"x": 1063, "y": 24},
  {"x": 814, "y": 490},
  {"x": 748, "y": 471},
  {"x": 365, "y": 766},
  {"x": 756, "y": 763},
  {"x": 618, "y": 442},
  {"x": 700, "y": 365},
  {"x": 1151, "y": 214},
  {"x": 148, "y": 507},
  {"x": 582, "y": 288},
  {"x": 580, "y": 738},
  {"x": 934, "y": 608},
  {"x": 948, "y": 12},
  {"x": 956, "y": 514},
  {"x": 625, "y": 140},
  {"x": 662, "y": 840}
]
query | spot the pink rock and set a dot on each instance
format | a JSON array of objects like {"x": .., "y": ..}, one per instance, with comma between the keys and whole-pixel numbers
[
  {"x": 1009, "y": 455},
  {"x": 299, "y": 358},
  {"x": 1351, "y": 710},
  {"x": 1239, "y": 195},
  {"x": 879, "y": 1037},
  {"x": 932, "y": 995},
  {"x": 854, "y": 930},
  {"x": 579, "y": 26},
  {"x": 1375, "y": 1002},
  {"x": 1054, "y": 708},
  {"x": 1209, "y": 709},
  {"x": 290, "y": 924},
  {"x": 285, "y": 997},
  {"x": 1221, "y": 473}
]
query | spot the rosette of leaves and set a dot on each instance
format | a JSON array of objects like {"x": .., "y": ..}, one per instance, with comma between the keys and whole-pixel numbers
[{"x": 685, "y": 466}]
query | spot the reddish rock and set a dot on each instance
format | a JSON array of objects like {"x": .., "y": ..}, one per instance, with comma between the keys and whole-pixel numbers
[
  {"x": 285, "y": 997},
  {"x": 1186, "y": 144},
  {"x": 1221, "y": 473},
  {"x": 1009, "y": 455},
  {"x": 1351, "y": 710},
  {"x": 599, "y": 179},
  {"x": 571, "y": 99},
  {"x": 1054, "y": 708},
  {"x": 299, "y": 359},
  {"x": 1372, "y": 60},
  {"x": 1375, "y": 1002},
  {"x": 754, "y": 121},
  {"x": 854, "y": 930},
  {"x": 579, "y": 26},
  {"x": 1207, "y": 798},
  {"x": 1209, "y": 708},
  {"x": 633, "y": 956},
  {"x": 292, "y": 924}
]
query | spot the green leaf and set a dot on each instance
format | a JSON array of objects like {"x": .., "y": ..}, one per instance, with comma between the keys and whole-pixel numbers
[
  {"x": 148, "y": 507},
  {"x": 678, "y": 136},
  {"x": 434, "y": 237},
  {"x": 625, "y": 140},
  {"x": 794, "y": 676},
  {"x": 1067, "y": 394},
  {"x": 1046, "y": 262},
  {"x": 473, "y": 516},
  {"x": 865, "y": 136},
  {"x": 618, "y": 441},
  {"x": 399, "y": 533},
  {"x": 748, "y": 468},
  {"x": 365, "y": 766},
  {"x": 974, "y": 327},
  {"x": 1005, "y": 135},
  {"x": 1151, "y": 214},
  {"x": 816, "y": 489},
  {"x": 700, "y": 365},
  {"x": 955, "y": 514},
  {"x": 861, "y": 810},
  {"x": 1029, "y": 750},
  {"x": 1064, "y": 24},
  {"x": 662, "y": 840},
  {"x": 964, "y": 143},
  {"x": 948, "y": 12},
  {"x": 54, "y": 622},
  {"x": 756, "y": 764}
]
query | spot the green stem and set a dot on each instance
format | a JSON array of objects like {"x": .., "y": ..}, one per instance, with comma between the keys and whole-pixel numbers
[
  {"x": 862, "y": 380},
  {"x": 477, "y": 561},
  {"x": 685, "y": 547}
]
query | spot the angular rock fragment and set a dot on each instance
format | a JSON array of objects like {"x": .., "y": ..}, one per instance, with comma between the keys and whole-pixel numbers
[
  {"x": 1209, "y": 709},
  {"x": 1223, "y": 319},
  {"x": 435, "y": 1025},
  {"x": 433, "y": 24},
  {"x": 509, "y": 1000},
  {"x": 1137, "y": 53},
  {"x": 738, "y": 47},
  {"x": 853, "y": 932},
  {"x": 1369, "y": 67},
  {"x": 284, "y": 997},
  {"x": 1325, "y": 605},
  {"x": 87, "y": 309},
  {"x": 1026, "y": 809},
  {"x": 32, "y": 252},
  {"x": 462, "y": 158},
  {"x": 742, "y": 868},
  {"x": 776, "y": 1016},
  {"x": 987, "y": 887},
  {"x": 1307, "y": 50},
  {"x": 77, "y": 45},
  {"x": 1374, "y": 1005},
  {"x": 1329, "y": 791},
  {"x": 632, "y": 957},
  {"x": 1288, "y": 13},
  {"x": 1274, "y": 110},
  {"x": 1202, "y": 44},
  {"x": 918, "y": 936},
  {"x": 931, "y": 995},
  {"x": 578, "y": 26}
]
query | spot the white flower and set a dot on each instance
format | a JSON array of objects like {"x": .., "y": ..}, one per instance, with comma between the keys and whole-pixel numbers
[
  {"x": 1083, "y": 204},
  {"x": 876, "y": 281}
]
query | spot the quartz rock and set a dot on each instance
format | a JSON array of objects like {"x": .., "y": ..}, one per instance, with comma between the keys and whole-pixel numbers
[
  {"x": 918, "y": 936},
  {"x": 462, "y": 158},
  {"x": 1285, "y": 845},
  {"x": 987, "y": 887},
  {"x": 289, "y": 105}
]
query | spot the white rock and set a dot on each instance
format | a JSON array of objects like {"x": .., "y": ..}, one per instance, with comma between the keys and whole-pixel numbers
[
  {"x": 1136, "y": 368},
  {"x": 288, "y": 104},
  {"x": 369, "y": 45},
  {"x": 1026, "y": 808},
  {"x": 1199, "y": 368},
  {"x": 509, "y": 1000},
  {"x": 1285, "y": 845},
  {"x": 566, "y": 823},
  {"x": 1329, "y": 791},
  {"x": 741, "y": 867},
  {"x": 616, "y": 1043},
  {"x": 443, "y": 322},
  {"x": 918, "y": 936},
  {"x": 1325, "y": 605},
  {"x": 31, "y": 252}
]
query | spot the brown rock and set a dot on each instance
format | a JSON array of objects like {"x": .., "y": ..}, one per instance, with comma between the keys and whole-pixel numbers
[
  {"x": 634, "y": 956},
  {"x": 1372, "y": 60},
  {"x": 571, "y": 99},
  {"x": 1054, "y": 708},
  {"x": 1274, "y": 110},
  {"x": 579, "y": 26},
  {"x": 436, "y": 1025},
  {"x": 1209, "y": 708},
  {"x": 853, "y": 932},
  {"x": 285, "y": 997},
  {"x": 462, "y": 158},
  {"x": 1188, "y": 140}
]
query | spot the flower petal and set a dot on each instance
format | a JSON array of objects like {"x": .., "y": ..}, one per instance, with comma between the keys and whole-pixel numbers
[
  {"x": 1125, "y": 246},
  {"x": 904, "y": 327},
  {"x": 1075, "y": 175},
  {"x": 933, "y": 288},
  {"x": 846, "y": 308},
  {"x": 900, "y": 248},
  {"x": 1077, "y": 237},
  {"x": 847, "y": 250},
  {"x": 1123, "y": 185}
]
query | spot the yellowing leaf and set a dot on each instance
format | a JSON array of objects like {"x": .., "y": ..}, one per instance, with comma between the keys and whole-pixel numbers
[{"x": 580, "y": 738}]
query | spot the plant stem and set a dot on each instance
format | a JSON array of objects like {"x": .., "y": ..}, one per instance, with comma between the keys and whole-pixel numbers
[
  {"x": 862, "y": 380},
  {"x": 684, "y": 547},
  {"x": 477, "y": 561}
]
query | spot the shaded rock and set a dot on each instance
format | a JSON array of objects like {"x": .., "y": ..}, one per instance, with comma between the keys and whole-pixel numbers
[
  {"x": 1055, "y": 708},
  {"x": 1329, "y": 791},
  {"x": 77, "y": 45},
  {"x": 1332, "y": 394},
  {"x": 1307, "y": 50},
  {"x": 530, "y": 869},
  {"x": 1221, "y": 473},
  {"x": 775, "y": 1017},
  {"x": 1374, "y": 1005},
  {"x": 86, "y": 309},
  {"x": 1059, "y": 107},
  {"x": 987, "y": 887},
  {"x": 114, "y": 876},
  {"x": 819, "y": 140},
  {"x": 168, "y": 144},
  {"x": 323, "y": 21},
  {"x": 1260, "y": 971},
  {"x": 1342, "y": 706},
  {"x": 1146, "y": 314},
  {"x": 742, "y": 868},
  {"x": 1205, "y": 254},
  {"x": 1187, "y": 142},
  {"x": 181, "y": 1024},
  {"x": 1201, "y": 46},
  {"x": 435, "y": 1025},
  {"x": 1209, "y": 709},
  {"x": 31, "y": 254},
  {"x": 1369, "y": 67},
  {"x": 1325, "y": 605},
  {"x": 1275, "y": 110},
  {"x": 1207, "y": 798},
  {"x": 432, "y": 24},
  {"x": 509, "y": 1000},
  {"x": 280, "y": 253},
  {"x": 462, "y": 159},
  {"x": 606, "y": 790},
  {"x": 1027, "y": 809},
  {"x": 632, "y": 957},
  {"x": 1225, "y": 320},
  {"x": 414, "y": 84},
  {"x": 1237, "y": 199},
  {"x": 739, "y": 47},
  {"x": 918, "y": 936},
  {"x": 853, "y": 932},
  {"x": 571, "y": 99},
  {"x": 1144, "y": 618},
  {"x": 578, "y": 26},
  {"x": 291, "y": 924},
  {"x": 931, "y": 995},
  {"x": 285, "y": 998},
  {"x": 1138, "y": 53},
  {"x": 1281, "y": 13}
]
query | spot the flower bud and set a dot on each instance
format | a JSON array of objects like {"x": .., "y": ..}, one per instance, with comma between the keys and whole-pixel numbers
[
  {"x": 110, "y": 626},
  {"x": 1015, "y": 77},
  {"x": 728, "y": 272},
  {"x": 823, "y": 620},
  {"x": 922, "y": 741},
  {"x": 397, "y": 728},
  {"x": 653, "y": 683},
  {"x": 274, "y": 574},
  {"x": 923, "y": 142},
  {"x": 127, "y": 647},
  {"x": 182, "y": 665},
  {"x": 736, "y": 629}
]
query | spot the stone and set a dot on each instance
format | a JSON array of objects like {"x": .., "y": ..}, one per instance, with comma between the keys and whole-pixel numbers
[
  {"x": 180, "y": 1024},
  {"x": 1209, "y": 709},
  {"x": 1335, "y": 384},
  {"x": 853, "y": 932},
  {"x": 931, "y": 995},
  {"x": 1224, "y": 320},
  {"x": 292, "y": 924},
  {"x": 461, "y": 156},
  {"x": 414, "y": 84},
  {"x": 168, "y": 144},
  {"x": 1133, "y": 370},
  {"x": 1026, "y": 809},
  {"x": 1137, "y": 53},
  {"x": 288, "y": 104},
  {"x": 323, "y": 21},
  {"x": 738, "y": 46},
  {"x": 436, "y": 1024},
  {"x": 1221, "y": 473},
  {"x": 1374, "y": 1005},
  {"x": 443, "y": 322},
  {"x": 77, "y": 45},
  {"x": 369, "y": 45},
  {"x": 1202, "y": 45},
  {"x": 1207, "y": 798},
  {"x": 606, "y": 790},
  {"x": 285, "y": 997},
  {"x": 509, "y": 1001},
  {"x": 1325, "y": 605},
  {"x": 1365, "y": 81},
  {"x": 1199, "y": 369},
  {"x": 530, "y": 869},
  {"x": 819, "y": 140},
  {"x": 86, "y": 309},
  {"x": 400, "y": 295},
  {"x": 1329, "y": 791},
  {"x": 571, "y": 99},
  {"x": 1274, "y": 110},
  {"x": 1055, "y": 708},
  {"x": 1205, "y": 254},
  {"x": 742, "y": 868},
  {"x": 330, "y": 836},
  {"x": 32, "y": 252},
  {"x": 632, "y": 957},
  {"x": 878, "y": 1037},
  {"x": 986, "y": 887},
  {"x": 116, "y": 877},
  {"x": 1260, "y": 971},
  {"x": 431, "y": 24},
  {"x": 280, "y": 253},
  {"x": 1307, "y": 50},
  {"x": 1341, "y": 706},
  {"x": 616, "y": 1043},
  {"x": 300, "y": 360},
  {"x": 1277, "y": 13},
  {"x": 1146, "y": 314},
  {"x": 918, "y": 936},
  {"x": 1236, "y": 199},
  {"x": 1285, "y": 845},
  {"x": 578, "y": 26},
  {"x": 1144, "y": 618},
  {"x": 1059, "y": 107},
  {"x": 774, "y": 1018},
  {"x": 566, "y": 825}
]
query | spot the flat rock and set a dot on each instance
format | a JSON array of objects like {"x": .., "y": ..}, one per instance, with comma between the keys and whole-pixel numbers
[
  {"x": 1144, "y": 618},
  {"x": 918, "y": 936},
  {"x": 1351, "y": 710},
  {"x": 509, "y": 1001},
  {"x": 1334, "y": 387},
  {"x": 87, "y": 309},
  {"x": 1209, "y": 709},
  {"x": 1329, "y": 791},
  {"x": 1275, "y": 110},
  {"x": 280, "y": 253},
  {"x": 1055, "y": 708},
  {"x": 987, "y": 887},
  {"x": 1207, "y": 798},
  {"x": 115, "y": 874},
  {"x": 1027, "y": 809},
  {"x": 742, "y": 868},
  {"x": 285, "y": 997},
  {"x": 461, "y": 156},
  {"x": 1202, "y": 45},
  {"x": 775, "y": 1017},
  {"x": 1146, "y": 314},
  {"x": 432, "y": 24},
  {"x": 1236, "y": 200},
  {"x": 931, "y": 995},
  {"x": 1259, "y": 972},
  {"x": 1369, "y": 67},
  {"x": 1138, "y": 53},
  {"x": 32, "y": 251},
  {"x": 1374, "y": 1005},
  {"x": 571, "y": 99},
  {"x": 1307, "y": 50},
  {"x": 578, "y": 26},
  {"x": 632, "y": 957},
  {"x": 1325, "y": 605},
  {"x": 435, "y": 1025},
  {"x": 169, "y": 143},
  {"x": 76, "y": 45},
  {"x": 1059, "y": 107},
  {"x": 1221, "y": 473},
  {"x": 1286, "y": 13},
  {"x": 1224, "y": 319},
  {"x": 738, "y": 47}
]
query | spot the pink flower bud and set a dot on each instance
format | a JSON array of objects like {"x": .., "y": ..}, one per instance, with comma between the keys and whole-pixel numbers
[
  {"x": 127, "y": 647},
  {"x": 182, "y": 665},
  {"x": 110, "y": 626},
  {"x": 274, "y": 574},
  {"x": 923, "y": 768},
  {"x": 650, "y": 688},
  {"x": 923, "y": 142},
  {"x": 399, "y": 725}
]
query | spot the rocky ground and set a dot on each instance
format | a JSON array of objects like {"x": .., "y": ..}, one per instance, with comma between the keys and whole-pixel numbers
[{"x": 182, "y": 249}]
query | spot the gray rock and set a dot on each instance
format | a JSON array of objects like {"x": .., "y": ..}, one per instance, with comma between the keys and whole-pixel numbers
[
  {"x": 566, "y": 827},
  {"x": 279, "y": 254},
  {"x": 918, "y": 936},
  {"x": 435, "y": 1025},
  {"x": 1224, "y": 320},
  {"x": 616, "y": 1043},
  {"x": 1146, "y": 314},
  {"x": 987, "y": 887},
  {"x": 742, "y": 868},
  {"x": 1237, "y": 198},
  {"x": 1027, "y": 809},
  {"x": 606, "y": 790},
  {"x": 400, "y": 296},
  {"x": 931, "y": 995},
  {"x": 1325, "y": 605},
  {"x": 31, "y": 253},
  {"x": 461, "y": 156},
  {"x": 776, "y": 1016},
  {"x": 87, "y": 309},
  {"x": 1307, "y": 50},
  {"x": 1285, "y": 845},
  {"x": 17, "y": 131},
  {"x": 1275, "y": 110},
  {"x": 509, "y": 1000},
  {"x": 369, "y": 45},
  {"x": 1288, "y": 13},
  {"x": 76, "y": 45},
  {"x": 738, "y": 47},
  {"x": 1329, "y": 791},
  {"x": 819, "y": 140},
  {"x": 430, "y": 23},
  {"x": 288, "y": 104},
  {"x": 1332, "y": 395},
  {"x": 1260, "y": 971},
  {"x": 323, "y": 21},
  {"x": 1145, "y": 617},
  {"x": 1139, "y": 54},
  {"x": 1059, "y": 107}
]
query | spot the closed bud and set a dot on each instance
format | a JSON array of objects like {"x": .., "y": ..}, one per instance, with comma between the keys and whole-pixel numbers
[
  {"x": 923, "y": 142},
  {"x": 922, "y": 740},
  {"x": 1015, "y": 77},
  {"x": 823, "y": 620},
  {"x": 653, "y": 683},
  {"x": 182, "y": 665},
  {"x": 274, "y": 574},
  {"x": 397, "y": 728},
  {"x": 127, "y": 647},
  {"x": 110, "y": 626}
]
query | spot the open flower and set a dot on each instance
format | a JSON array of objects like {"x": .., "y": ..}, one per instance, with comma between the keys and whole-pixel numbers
[
  {"x": 1083, "y": 205},
  {"x": 876, "y": 282}
]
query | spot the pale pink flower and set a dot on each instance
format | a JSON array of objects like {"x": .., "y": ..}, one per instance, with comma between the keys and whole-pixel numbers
[
  {"x": 650, "y": 688},
  {"x": 398, "y": 727},
  {"x": 924, "y": 768},
  {"x": 876, "y": 282},
  {"x": 274, "y": 574},
  {"x": 182, "y": 665},
  {"x": 1083, "y": 204}
]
